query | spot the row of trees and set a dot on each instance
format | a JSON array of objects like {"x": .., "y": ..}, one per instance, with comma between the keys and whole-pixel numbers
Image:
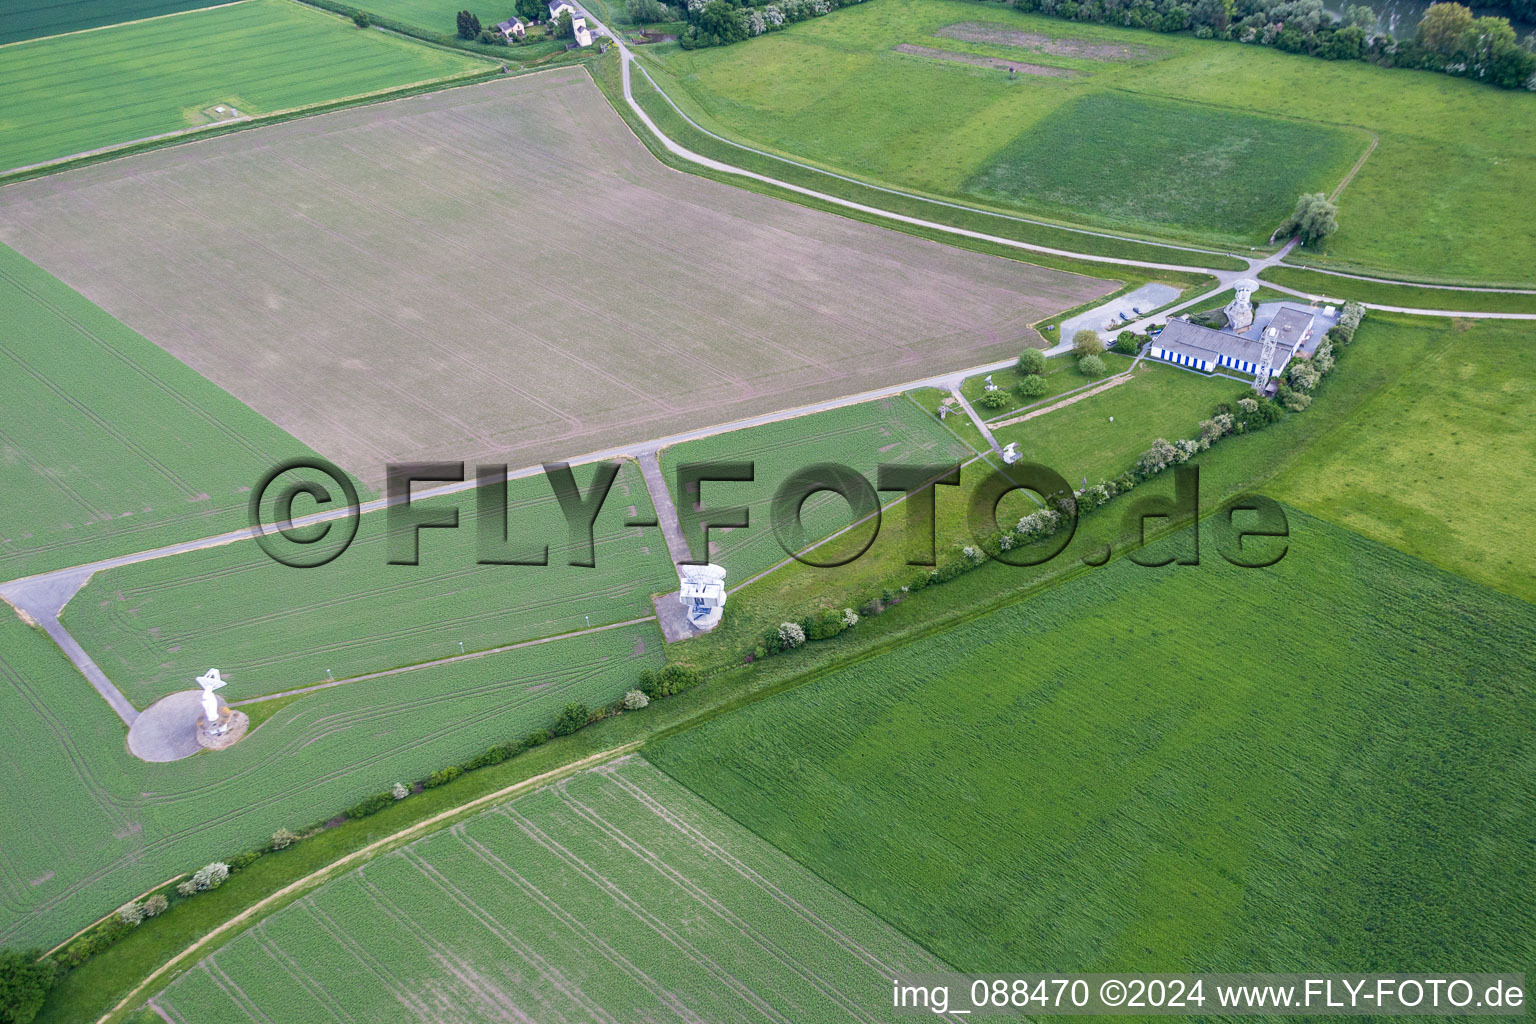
[
  {"x": 722, "y": 22},
  {"x": 1449, "y": 39}
]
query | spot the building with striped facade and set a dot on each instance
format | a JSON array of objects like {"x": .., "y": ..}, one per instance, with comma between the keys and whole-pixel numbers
[{"x": 1201, "y": 348}]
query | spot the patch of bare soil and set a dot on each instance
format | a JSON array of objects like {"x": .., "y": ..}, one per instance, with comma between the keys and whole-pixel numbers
[
  {"x": 980, "y": 32},
  {"x": 986, "y": 62}
]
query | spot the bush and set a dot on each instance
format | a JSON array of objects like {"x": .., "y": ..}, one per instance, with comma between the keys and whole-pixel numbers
[
  {"x": 1127, "y": 343},
  {"x": 283, "y": 838},
  {"x": 131, "y": 914},
  {"x": 791, "y": 635},
  {"x": 634, "y": 700},
  {"x": 398, "y": 791},
  {"x": 1086, "y": 343},
  {"x": 1313, "y": 221},
  {"x": 360, "y": 19},
  {"x": 210, "y": 877},
  {"x": 572, "y": 717},
  {"x": 1157, "y": 458},
  {"x": 993, "y": 399},
  {"x": 372, "y": 805},
  {"x": 1031, "y": 361},
  {"x": 1033, "y": 386},
  {"x": 187, "y": 888},
  {"x": 537, "y": 738},
  {"x": 156, "y": 905},
  {"x": 1091, "y": 366},
  {"x": 244, "y": 860},
  {"x": 441, "y": 777},
  {"x": 24, "y": 984}
]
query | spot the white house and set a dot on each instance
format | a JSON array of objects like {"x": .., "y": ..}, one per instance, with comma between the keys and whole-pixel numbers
[
  {"x": 580, "y": 31},
  {"x": 559, "y": 7},
  {"x": 512, "y": 28}
]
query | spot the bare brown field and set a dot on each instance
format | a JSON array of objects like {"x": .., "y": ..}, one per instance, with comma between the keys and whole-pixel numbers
[
  {"x": 984, "y": 32},
  {"x": 985, "y": 62},
  {"x": 504, "y": 272}
]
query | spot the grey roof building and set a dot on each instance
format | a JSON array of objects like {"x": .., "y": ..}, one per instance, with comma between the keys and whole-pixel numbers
[{"x": 1200, "y": 348}]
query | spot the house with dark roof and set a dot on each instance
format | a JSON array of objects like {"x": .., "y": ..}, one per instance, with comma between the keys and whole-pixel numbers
[
  {"x": 559, "y": 7},
  {"x": 511, "y": 28}
]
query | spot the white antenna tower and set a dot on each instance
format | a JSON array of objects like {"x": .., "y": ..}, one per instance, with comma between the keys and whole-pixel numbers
[{"x": 1266, "y": 360}]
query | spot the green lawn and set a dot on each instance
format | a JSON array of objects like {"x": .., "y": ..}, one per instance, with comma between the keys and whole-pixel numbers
[
  {"x": 155, "y": 626},
  {"x": 1079, "y": 440},
  {"x": 1153, "y": 165},
  {"x": 101, "y": 826},
  {"x": 50, "y": 17},
  {"x": 1409, "y": 296},
  {"x": 109, "y": 445},
  {"x": 862, "y": 437},
  {"x": 615, "y": 895},
  {"x": 78, "y": 93},
  {"x": 1326, "y": 764},
  {"x": 1061, "y": 375},
  {"x": 1443, "y": 464},
  {"x": 1451, "y": 151}
]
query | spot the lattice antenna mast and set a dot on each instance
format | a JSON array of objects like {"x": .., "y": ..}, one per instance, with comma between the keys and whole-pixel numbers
[{"x": 1266, "y": 359}]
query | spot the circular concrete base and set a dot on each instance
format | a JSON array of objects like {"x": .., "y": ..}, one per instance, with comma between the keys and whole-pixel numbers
[
  {"x": 167, "y": 729},
  {"x": 236, "y": 724}
]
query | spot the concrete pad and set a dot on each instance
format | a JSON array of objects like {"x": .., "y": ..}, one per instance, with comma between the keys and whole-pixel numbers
[
  {"x": 167, "y": 729},
  {"x": 1148, "y": 297}
]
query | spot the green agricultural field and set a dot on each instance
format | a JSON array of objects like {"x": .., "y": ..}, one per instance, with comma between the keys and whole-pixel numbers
[
  {"x": 891, "y": 430},
  {"x": 73, "y": 94},
  {"x": 1444, "y": 463},
  {"x": 1408, "y": 296},
  {"x": 99, "y": 825},
  {"x": 613, "y": 895},
  {"x": 30, "y": 19},
  {"x": 1153, "y": 165},
  {"x": 1325, "y": 764},
  {"x": 1079, "y": 441},
  {"x": 834, "y": 90},
  {"x": 155, "y": 626},
  {"x": 110, "y": 445}
]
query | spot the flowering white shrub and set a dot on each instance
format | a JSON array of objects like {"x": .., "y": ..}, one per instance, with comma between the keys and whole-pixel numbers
[
  {"x": 282, "y": 839},
  {"x": 398, "y": 791},
  {"x": 132, "y": 913},
  {"x": 634, "y": 700},
  {"x": 791, "y": 634},
  {"x": 850, "y": 617},
  {"x": 756, "y": 24},
  {"x": 974, "y": 555},
  {"x": 1157, "y": 458},
  {"x": 210, "y": 877}
]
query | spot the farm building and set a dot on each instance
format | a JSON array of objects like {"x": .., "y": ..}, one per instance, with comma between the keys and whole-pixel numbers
[
  {"x": 511, "y": 28},
  {"x": 1207, "y": 350}
]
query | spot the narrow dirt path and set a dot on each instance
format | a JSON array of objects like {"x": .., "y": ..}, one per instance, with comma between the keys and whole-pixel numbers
[{"x": 1112, "y": 382}]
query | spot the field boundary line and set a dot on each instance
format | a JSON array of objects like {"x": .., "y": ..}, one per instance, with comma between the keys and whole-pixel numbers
[
  {"x": 124, "y": 24},
  {"x": 414, "y": 666},
  {"x": 1287, "y": 264},
  {"x": 374, "y": 848},
  {"x": 1339, "y": 189},
  {"x": 255, "y": 120},
  {"x": 1017, "y": 218}
]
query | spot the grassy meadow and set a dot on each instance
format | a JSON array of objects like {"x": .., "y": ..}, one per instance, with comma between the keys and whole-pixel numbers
[
  {"x": 154, "y": 626},
  {"x": 103, "y": 826},
  {"x": 1443, "y": 465},
  {"x": 615, "y": 895},
  {"x": 110, "y": 445},
  {"x": 862, "y": 437},
  {"x": 73, "y": 94},
  {"x": 834, "y": 91},
  {"x": 1406, "y": 295},
  {"x": 1325, "y": 764}
]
